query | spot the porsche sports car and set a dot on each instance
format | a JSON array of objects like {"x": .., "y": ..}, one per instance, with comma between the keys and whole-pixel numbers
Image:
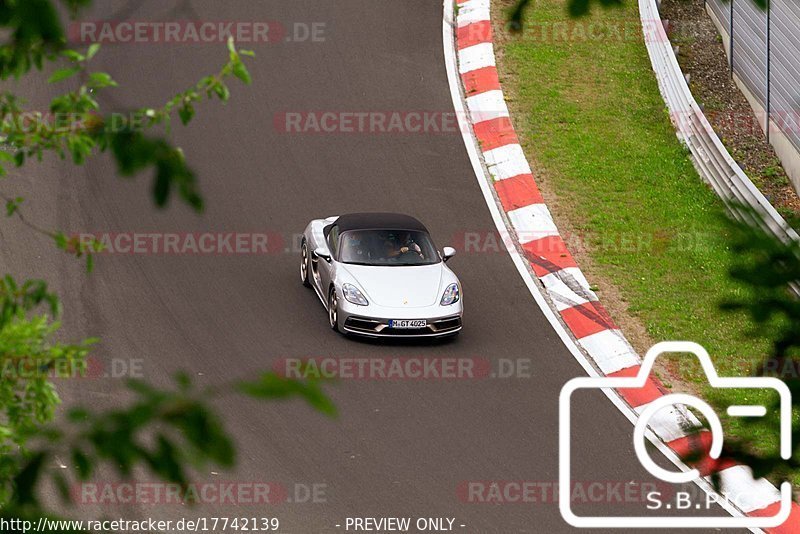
[{"x": 380, "y": 275}]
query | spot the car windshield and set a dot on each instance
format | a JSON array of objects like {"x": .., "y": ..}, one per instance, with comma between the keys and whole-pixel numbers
[{"x": 387, "y": 248}]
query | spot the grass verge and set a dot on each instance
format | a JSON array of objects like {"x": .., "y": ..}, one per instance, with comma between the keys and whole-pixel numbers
[{"x": 590, "y": 117}]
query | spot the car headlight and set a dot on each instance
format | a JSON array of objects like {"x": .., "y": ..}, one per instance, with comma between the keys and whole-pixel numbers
[
  {"x": 451, "y": 295},
  {"x": 352, "y": 294}
]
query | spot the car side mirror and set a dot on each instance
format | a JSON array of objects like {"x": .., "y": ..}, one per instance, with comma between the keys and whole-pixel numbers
[
  {"x": 447, "y": 253},
  {"x": 320, "y": 252}
]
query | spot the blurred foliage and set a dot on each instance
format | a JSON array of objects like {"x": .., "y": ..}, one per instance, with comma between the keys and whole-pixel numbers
[
  {"x": 769, "y": 271},
  {"x": 28, "y": 361},
  {"x": 75, "y": 126},
  {"x": 576, "y": 8},
  {"x": 168, "y": 432}
]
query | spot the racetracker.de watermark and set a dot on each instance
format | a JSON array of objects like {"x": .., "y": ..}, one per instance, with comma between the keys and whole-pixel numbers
[
  {"x": 581, "y": 31},
  {"x": 547, "y": 492},
  {"x": 403, "y": 368},
  {"x": 194, "y": 31},
  {"x": 220, "y": 493},
  {"x": 372, "y": 122},
  {"x": 185, "y": 243},
  {"x": 91, "y": 367},
  {"x": 490, "y": 241}
]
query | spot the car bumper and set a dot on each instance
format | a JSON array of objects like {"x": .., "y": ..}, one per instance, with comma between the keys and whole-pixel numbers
[{"x": 373, "y": 321}]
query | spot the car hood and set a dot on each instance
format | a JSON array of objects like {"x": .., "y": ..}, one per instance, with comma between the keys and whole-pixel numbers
[{"x": 399, "y": 287}]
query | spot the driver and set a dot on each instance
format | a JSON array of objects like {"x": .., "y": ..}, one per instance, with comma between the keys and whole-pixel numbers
[
  {"x": 410, "y": 246},
  {"x": 393, "y": 251}
]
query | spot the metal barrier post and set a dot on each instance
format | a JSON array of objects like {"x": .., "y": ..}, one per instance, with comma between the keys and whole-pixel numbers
[
  {"x": 769, "y": 77},
  {"x": 730, "y": 41}
]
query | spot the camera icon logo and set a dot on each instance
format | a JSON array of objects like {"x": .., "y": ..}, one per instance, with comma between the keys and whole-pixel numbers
[{"x": 640, "y": 434}]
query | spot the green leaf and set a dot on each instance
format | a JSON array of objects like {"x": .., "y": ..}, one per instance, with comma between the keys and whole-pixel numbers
[
  {"x": 12, "y": 206},
  {"x": 63, "y": 74},
  {"x": 62, "y": 486},
  {"x": 142, "y": 388},
  {"x": 38, "y": 59},
  {"x": 273, "y": 386},
  {"x": 222, "y": 91},
  {"x": 186, "y": 112},
  {"x": 61, "y": 240},
  {"x": 10, "y": 282},
  {"x": 73, "y": 55},
  {"x": 100, "y": 80},
  {"x": 80, "y": 147},
  {"x": 77, "y": 415},
  {"x": 161, "y": 188},
  {"x": 166, "y": 461},
  {"x": 240, "y": 71},
  {"x": 578, "y": 8},
  {"x": 92, "y": 51},
  {"x": 82, "y": 464},
  {"x": 183, "y": 380},
  {"x": 26, "y": 480}
]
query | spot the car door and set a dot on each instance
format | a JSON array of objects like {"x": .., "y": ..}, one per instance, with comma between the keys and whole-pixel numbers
[{"x": 326, "y": 268}]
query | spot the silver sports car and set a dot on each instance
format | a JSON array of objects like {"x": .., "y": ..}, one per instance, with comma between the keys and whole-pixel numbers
[{"x": 379, "y": 275}]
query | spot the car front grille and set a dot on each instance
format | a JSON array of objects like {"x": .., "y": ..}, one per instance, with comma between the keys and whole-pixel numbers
[
  {"x": 362, "y": 324},
  {"x": 442, "y": 325},
  {"x": 368, "y": 326}
]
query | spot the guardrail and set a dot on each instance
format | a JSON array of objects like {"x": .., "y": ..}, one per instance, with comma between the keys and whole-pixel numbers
[{"x": 710, "y": 156}]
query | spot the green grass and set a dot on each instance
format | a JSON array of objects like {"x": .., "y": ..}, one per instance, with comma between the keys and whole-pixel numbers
[{"x": 589, "y": 113}]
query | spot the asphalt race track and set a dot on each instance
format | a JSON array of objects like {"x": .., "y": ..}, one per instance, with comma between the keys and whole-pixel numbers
[{"x": 400, "y": 447}]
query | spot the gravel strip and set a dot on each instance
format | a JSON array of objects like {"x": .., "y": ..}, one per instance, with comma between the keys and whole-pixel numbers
[{"x": 702, "y": 56}]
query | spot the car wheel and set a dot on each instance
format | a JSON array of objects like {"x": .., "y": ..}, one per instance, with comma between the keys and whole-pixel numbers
[
  {"x": 304, "y": 264},
  {"x": 333, "y": 310}
]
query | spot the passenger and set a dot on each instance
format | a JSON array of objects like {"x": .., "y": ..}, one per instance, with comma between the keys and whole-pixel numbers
[{"x": 355, "y": 247}]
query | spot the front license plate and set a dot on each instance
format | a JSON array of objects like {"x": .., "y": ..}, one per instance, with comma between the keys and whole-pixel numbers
[{"x": 408, "y": 323}]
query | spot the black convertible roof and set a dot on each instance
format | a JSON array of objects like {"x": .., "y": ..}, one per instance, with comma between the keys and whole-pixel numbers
[{"x": 388, "y": 221}]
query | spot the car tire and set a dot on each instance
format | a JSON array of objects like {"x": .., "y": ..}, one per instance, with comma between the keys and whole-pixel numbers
[
  {"x": 333, "y": 310},
  {"x": 304, "y": 264}
]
